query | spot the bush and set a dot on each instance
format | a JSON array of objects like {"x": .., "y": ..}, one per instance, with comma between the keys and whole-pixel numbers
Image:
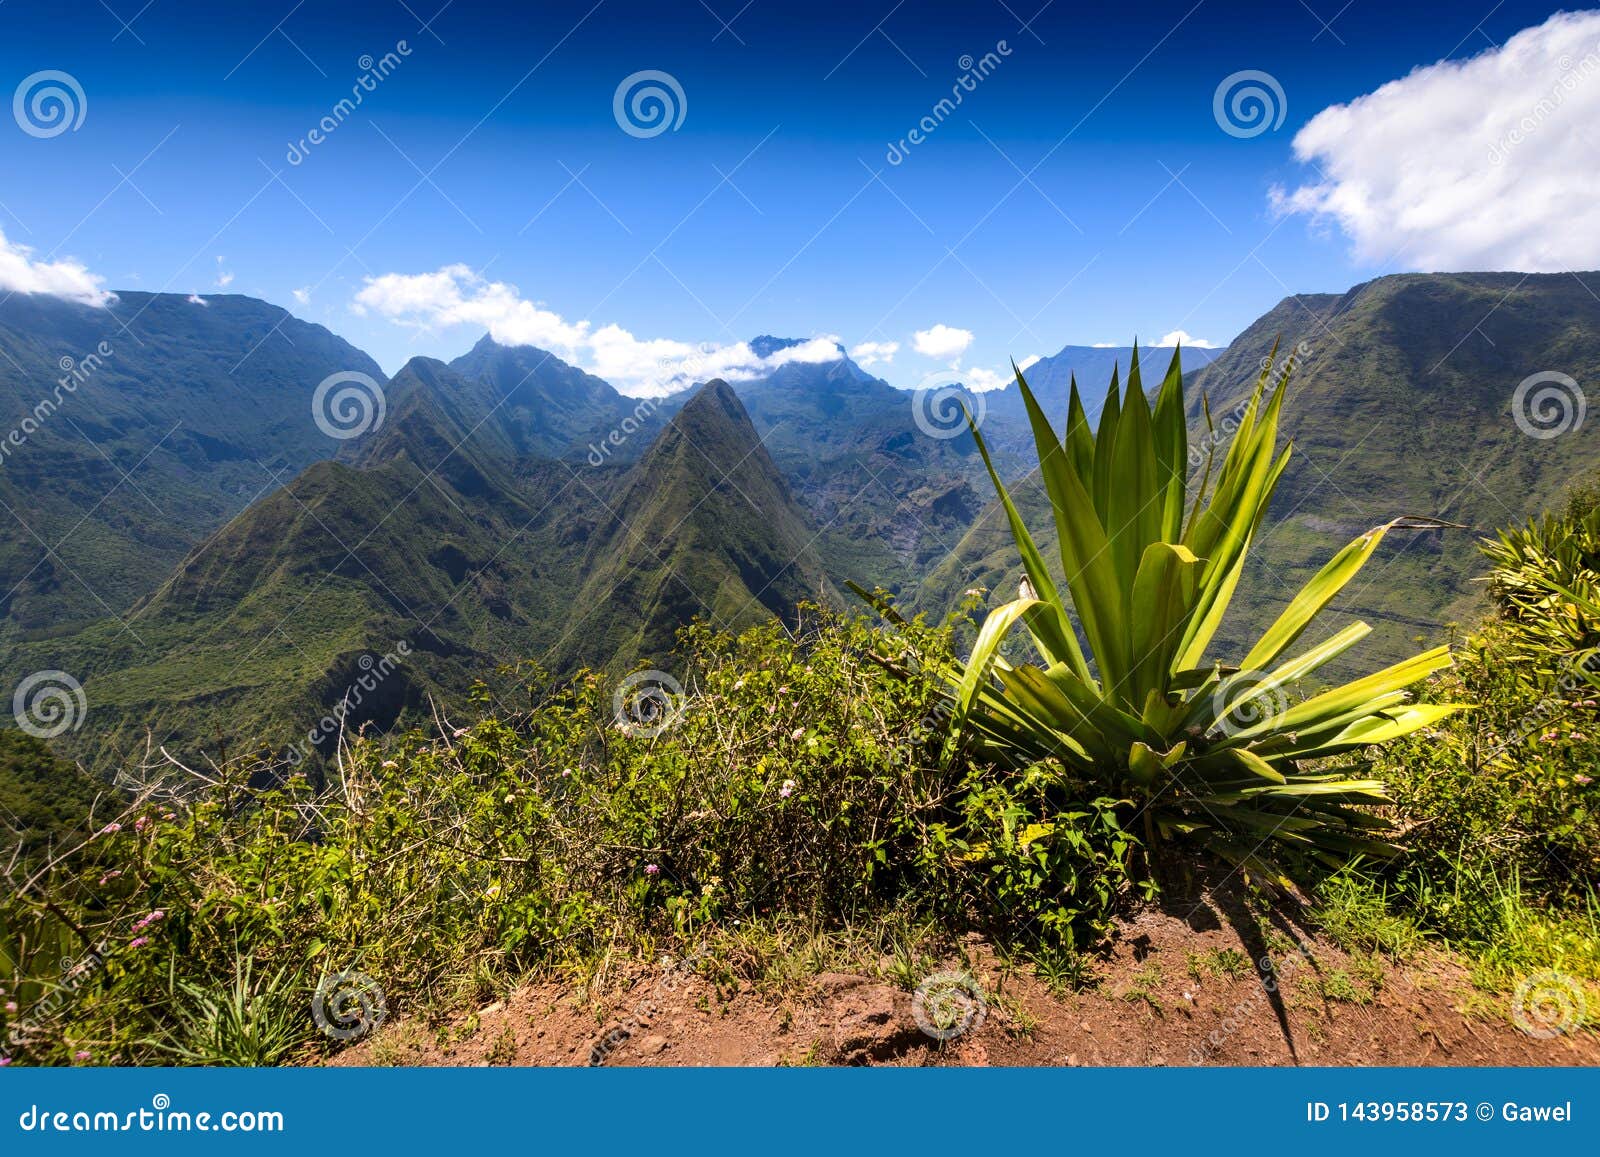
[
  {"x": 799, "y": 778},
  {"x": 1500, "y": 807}
]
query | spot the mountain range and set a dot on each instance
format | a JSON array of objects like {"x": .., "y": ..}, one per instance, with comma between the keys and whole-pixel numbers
[{"x": 216, "y": 567}]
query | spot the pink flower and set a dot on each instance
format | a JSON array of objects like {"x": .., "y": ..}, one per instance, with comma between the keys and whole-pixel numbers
[
  {"x": 787, "y": 789},
  {"x": 4, "y": 1061},
  {"x": 651, "y": 870},
  {"x": 11, "y": 1006},
  {"x": 110, "y": 829},
  {"x": 158, "y": 914},
  {"x": 110, "y": 876},
  {"x": 1585, "y": 780},
  {"x": 141, "y": 823},
  {"x": 82, "y": 1055},
  {"x": 138, "y": 942},
  {"x": 798, "y": 733}
]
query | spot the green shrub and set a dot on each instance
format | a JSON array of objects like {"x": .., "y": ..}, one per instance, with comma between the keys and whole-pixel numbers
[
  {"x": 1500, "y": 807},
  {"x": 799, "y": 781}
]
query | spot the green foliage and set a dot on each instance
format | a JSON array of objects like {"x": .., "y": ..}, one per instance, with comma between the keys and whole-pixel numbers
[
  {"x": 1505, "y": 800},
  {"x": 1500, "y": 807},
  {"x": 1359, "y": 917},
  {"x": 249, "y": 1022},
  {"x": 161, "y": 382},
  {"x": 1198, "y": 751},
  {"x": 799, "y": 781},
  {"x": 1546, "y": 586}
]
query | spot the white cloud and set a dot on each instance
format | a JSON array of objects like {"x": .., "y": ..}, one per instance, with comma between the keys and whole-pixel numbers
[
  {"x": 1181, "y": 337},
  {"x": 1478, "y": 164},
  {"x": 871, "y": 353},
  {"x": 980, "y": 380},
  {"x": 196, "y": 299},
  {"x": 1104, "y": 345},
  {"x": 1028, "y": 361},
  {"x": 303, "y": 296},
  {"x": 20, "y": 273},
  {"x": 224, "y": 280},
  {"x": 942, "y": 341},
  {"x": 455, "y": 295}
]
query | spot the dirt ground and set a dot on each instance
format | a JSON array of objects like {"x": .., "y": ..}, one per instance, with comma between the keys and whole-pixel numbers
[{"x": 1179, "y": 987}]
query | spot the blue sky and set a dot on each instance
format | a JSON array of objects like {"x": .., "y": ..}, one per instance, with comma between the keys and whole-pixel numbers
[{"x": 1084, "y": 191}]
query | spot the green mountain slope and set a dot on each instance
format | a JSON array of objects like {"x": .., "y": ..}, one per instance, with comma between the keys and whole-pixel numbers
[
  {"x": 890, "y": 498},
  {"x": 1400, "y": 404},
  {"x": 394, "y": 580},
  {"x": 523, "y": 401},
  {"x": 704, "y": 525},
  {"x": 131, "y": 432}
]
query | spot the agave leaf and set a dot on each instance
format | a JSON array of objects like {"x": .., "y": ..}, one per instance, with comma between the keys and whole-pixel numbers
[
  {"x": 1331, "y": 703},
  {"x": 1079, "y": 440},
  {"x": 1135, "y": 507},
  {"x": 1090, "y": 572},
  {"x": 1170, "y": 426},
  {"x": 1321, "y": 590},
  {"x": 1163, "y": 595},
  {"x": 984, "y": 653},
  {"x": 1209, "y": 609},
  {"x": 1381, "y": 728},
  {"x": 1254, "y": 764},
  {"x": 1105, "y": 440},
  {"x": 1050, "y": 627}
]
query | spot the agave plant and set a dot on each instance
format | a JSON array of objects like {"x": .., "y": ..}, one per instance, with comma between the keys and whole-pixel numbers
[
  {"x": 1546, "y": 580},
  {"x": 1224, "y": 755}
]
